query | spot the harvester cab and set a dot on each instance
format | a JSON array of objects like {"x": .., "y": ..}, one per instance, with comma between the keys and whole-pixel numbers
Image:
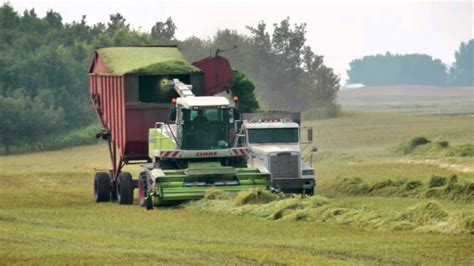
[{"x": 195, "y": 123}]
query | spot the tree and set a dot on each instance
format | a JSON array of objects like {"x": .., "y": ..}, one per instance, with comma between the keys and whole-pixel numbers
[
  {"x": 462, "y": 71},
  {"x": 8, "y": 17},
  {"x": 25, "y": 118},
  {"x": 395, "y": 69},
  {"x": 195, "y": 49},
  {"x": 53, "y": 19},
  {"x": 290, "y": 75},
  {"x": 43, "y": 72},
  {"x": 163, "y": 31},
  {"x": 117, "y": 22},
  {"x": 244, "y": 89}
]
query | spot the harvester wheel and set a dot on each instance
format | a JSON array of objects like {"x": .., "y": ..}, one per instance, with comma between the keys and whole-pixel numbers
[
  {"x": 149, "y": 203},
  {"x": 101, "y": 187},
  {"x": 142, "y": 190},
  {"x": 125, "y": 189}
]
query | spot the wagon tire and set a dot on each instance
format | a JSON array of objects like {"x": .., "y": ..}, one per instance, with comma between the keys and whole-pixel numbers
[
  {"x": 124, "y": 187},
  {"x": 101, "y": 187}
]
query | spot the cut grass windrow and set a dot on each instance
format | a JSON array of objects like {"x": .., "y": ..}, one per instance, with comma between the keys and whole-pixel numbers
[
  {"x": 427, "y": 216},
  {"x": 437, "y": 187}
]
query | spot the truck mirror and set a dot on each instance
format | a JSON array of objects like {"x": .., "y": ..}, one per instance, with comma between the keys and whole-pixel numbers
[
  {"x": 172, "y": 115},
  {"x": 310, "y": 134},
  {"x": 314, "y": 149},
  {"x": 237, "y": 114}
]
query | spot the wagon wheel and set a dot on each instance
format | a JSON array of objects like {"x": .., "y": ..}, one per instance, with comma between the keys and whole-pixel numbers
[
  {"x": 125, "y": 188},
  {"x": 101, "y": 187}
]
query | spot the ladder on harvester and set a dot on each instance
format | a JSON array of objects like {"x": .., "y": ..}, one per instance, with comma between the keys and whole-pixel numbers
[{"x": 184, "y": 90}]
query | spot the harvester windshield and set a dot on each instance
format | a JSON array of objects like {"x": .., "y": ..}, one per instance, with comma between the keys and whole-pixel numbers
[{"x": 205, "y": 129}]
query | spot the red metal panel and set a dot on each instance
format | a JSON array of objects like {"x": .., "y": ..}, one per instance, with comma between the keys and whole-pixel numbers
[
  {"x": 217, "y": 74},
  {"x": 110, "y": 91},
  {"x": 127, "y": 124},
  {"x": 139, "y": 120},
  {"x": 98, "y": 66},
  {"x": 114, "y": 92}
]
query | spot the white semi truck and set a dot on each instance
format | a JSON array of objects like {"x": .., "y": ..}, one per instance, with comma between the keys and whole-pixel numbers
[{"x": 274, "y": 143}]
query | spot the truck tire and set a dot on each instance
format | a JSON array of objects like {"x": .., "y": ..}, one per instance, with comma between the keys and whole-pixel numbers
[
  {"x": 142, "y": 190},
  {"x": 101, "y": 187},
  {"x": 125, "y": 189}
]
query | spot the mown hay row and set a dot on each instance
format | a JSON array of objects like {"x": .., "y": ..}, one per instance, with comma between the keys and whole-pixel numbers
[
  {"x": 437, "y": 187},
  {"x": 436, "y": 147},
  {"x": 430, "y": 216}
]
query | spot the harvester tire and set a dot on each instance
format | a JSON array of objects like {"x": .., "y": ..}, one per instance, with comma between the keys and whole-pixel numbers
[
  {"x": 149, "y": 204},
  {"x": 125, "y": 189},
  {"x": 101, "y": 187}
]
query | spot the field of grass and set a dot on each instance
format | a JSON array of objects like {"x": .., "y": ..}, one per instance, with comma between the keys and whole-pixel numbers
[
  {"x": 410, "y": 100},
  {"x": 47, "y": 214}
]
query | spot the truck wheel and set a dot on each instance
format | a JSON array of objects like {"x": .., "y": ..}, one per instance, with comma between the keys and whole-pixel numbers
[
  {"x": 101, "y": 187},
  {"x": 125, "y": 189},
  {"x": 142, "y": 191}
]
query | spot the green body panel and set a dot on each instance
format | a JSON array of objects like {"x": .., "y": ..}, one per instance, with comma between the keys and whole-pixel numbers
[
  {"x": 193, "y": 182},
  {"x": 194, "y": 193},
  {"x": 159, "y": 141}
]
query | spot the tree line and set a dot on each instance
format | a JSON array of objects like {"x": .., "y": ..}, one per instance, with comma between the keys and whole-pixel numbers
[
  {"x": 414, "y": 69},
  {"x": 44, "y": 63}
]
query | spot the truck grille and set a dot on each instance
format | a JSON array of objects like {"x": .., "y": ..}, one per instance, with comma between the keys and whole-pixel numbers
[{"x": 284, "y": 165}]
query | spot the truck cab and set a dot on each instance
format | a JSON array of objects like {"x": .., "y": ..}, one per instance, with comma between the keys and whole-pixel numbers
[{"x": 275, "y": 144}]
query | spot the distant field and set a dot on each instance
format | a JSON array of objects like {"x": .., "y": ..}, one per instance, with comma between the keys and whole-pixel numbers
[
  {"x": 47, "y": 215},
  {"x": 410, "y": 99}
]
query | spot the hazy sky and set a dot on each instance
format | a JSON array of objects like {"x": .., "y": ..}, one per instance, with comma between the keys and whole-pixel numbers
[{"x": 339, "y": 30}]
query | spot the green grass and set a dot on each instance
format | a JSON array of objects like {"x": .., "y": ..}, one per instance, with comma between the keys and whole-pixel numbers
[
  {"x": 410, "y": 100},
  {"x": 373, "y": 133},
  {"x": 51, "y": 218},
  {"x": 148, "y": 60},
  {"x": 425, "y": 216},
  {"x": 440, "y": 147},
  {"x": 47, "y": 215}
]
